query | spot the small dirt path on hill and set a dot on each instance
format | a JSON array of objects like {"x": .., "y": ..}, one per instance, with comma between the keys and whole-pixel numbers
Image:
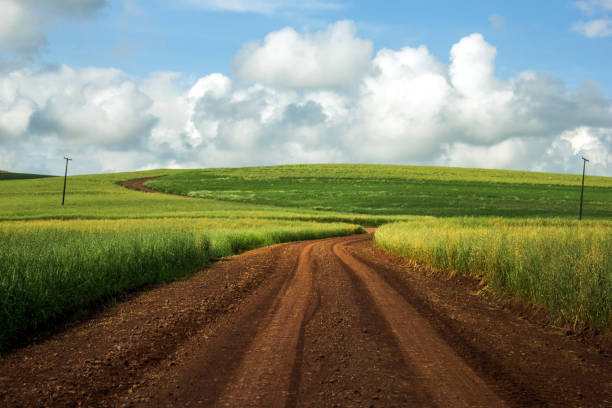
[
  {"x": 331, "y": 322},
  {"x": 139, "y": 185}
]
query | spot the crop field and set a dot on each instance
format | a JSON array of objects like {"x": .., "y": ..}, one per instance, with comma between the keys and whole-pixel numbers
[
  {"x": 100, "y": 197},
  {"x": 399, "y": 190},
  {"x": 564, "y": 266},
  {"x": 108, "y": 240}
]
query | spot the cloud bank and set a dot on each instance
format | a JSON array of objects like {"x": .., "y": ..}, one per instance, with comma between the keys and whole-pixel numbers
[{"x": 306, "y": 98}]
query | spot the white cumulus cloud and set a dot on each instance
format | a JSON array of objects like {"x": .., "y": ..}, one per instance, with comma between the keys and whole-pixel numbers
[
  {"x": 85, "y": 106},
  {"x": 326, "y": 59},
  {"x": 594, "y": 143},
  {"x": 509, "y": 153},
  {"x": 19, "y": 27},
  {"x": 22, "y": 21}
]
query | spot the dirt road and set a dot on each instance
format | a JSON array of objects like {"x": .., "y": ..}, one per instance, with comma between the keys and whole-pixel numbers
[{"x": 323, "y": 323}]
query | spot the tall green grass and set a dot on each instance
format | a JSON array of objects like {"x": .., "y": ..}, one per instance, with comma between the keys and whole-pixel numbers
[
  {"x": 52, "y": 269},
  {"x": 46, "y": 275},
  {"x": 564, "y": 266}
]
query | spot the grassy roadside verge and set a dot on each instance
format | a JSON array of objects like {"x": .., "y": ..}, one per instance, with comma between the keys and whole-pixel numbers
[
  {"x": 564, "y": 266},
  {"x": 51, "y": 269}
]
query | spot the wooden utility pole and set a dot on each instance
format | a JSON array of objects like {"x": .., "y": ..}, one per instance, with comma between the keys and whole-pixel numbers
[
  {"x": 585, "y": 160},
  {"x": 67, "y": 158}
]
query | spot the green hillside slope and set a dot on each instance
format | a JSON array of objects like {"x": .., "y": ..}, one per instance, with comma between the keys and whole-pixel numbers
[{"x": 399, "y": 190}]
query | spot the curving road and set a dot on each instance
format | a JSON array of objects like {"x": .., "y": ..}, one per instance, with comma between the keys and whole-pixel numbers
[{"x": 332, "y": 322}]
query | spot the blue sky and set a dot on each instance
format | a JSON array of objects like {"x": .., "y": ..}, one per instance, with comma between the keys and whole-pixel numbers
[
  {"x": 135, "y": 84},
  {"x": 143, "y": 36}
]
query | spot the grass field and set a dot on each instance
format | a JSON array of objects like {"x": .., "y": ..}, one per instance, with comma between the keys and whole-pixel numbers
[
  {"x": 399, "y": 190},
  {"x": 107, "y": 240},
  {"x": 100, "y": 197},
  {"x": 564, "y": 266}
]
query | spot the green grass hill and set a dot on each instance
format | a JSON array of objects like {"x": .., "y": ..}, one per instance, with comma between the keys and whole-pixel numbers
[{"x": 398, "y": 190}]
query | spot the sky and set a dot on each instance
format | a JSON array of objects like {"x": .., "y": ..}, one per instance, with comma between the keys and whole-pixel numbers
[{"x": 124, "y": 85}]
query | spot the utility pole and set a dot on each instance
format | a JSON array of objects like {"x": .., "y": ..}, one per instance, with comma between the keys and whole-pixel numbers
[
  {"x": 585, "y": 160},
  {"x": 67, "y": 158}
]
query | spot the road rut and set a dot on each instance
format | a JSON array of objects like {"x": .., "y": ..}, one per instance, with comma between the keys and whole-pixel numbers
[
  {"x": 262, "y": 380},
  {"x": 450, "y": 381}
]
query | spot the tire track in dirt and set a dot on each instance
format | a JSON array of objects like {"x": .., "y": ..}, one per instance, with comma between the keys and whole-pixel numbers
[
  {"x": 264, "y": 376},
  {"x": 207, "y": 363},
  {"x": 350, "y": 357},
  {"x": 450, "y": 381}
]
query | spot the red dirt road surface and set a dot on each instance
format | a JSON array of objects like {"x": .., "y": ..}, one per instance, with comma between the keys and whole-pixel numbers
[{"x": 325, "y": 323}]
